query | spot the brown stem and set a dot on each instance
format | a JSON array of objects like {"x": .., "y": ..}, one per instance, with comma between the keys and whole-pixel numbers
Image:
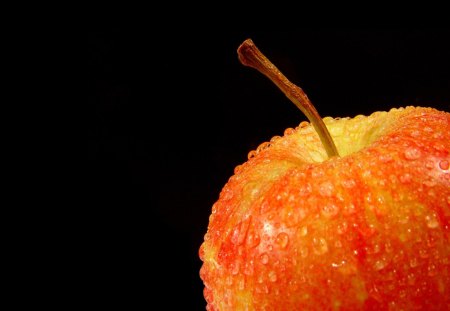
[{"x": 250, "y": 55}]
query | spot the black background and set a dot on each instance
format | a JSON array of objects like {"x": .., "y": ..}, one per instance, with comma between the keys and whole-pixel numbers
[{"x": 171, "y": 114}]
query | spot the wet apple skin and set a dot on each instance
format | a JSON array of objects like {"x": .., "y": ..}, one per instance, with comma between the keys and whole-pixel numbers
[{"x": 369, "y": 230}]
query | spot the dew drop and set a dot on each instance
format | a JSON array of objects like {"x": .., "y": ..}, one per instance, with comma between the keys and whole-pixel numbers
[
  {"x": 376, "y": 248},
  {"x": 303, "y": 124},
  {"x": 415, "y": 133},
  {"x": 234, "y": 268},
  {"x": 342, "y": 228},
  {"x": 388, "y": 247},
  {"x": 229, "y": 280},
  {"x": 320, "y": 246},
  {"x": 330, "y": 210},
  {"x": 317, "y": 173},
  {"x": 432, "y": 271},
  {"x": 272, "y": 276},
  {"x": 429, "y": 183},
  {"x": 444, "y": 165},
  {"x": 289, "y": 131},
  {"x": 348, "y": 183},
  {"x": 411, "y": 279},
  {"x": 253, "y": 240},
  {"x": 248, "y": 269},
  {"x": 304, "y": 252},
  {"x": 263, "y": 146},
  {"x": 241, "y": 284},
  {"x": 405, "y": 178},
  {"x": 385, "y": 158},
  {"x": 412, "y": 153},
  {"x": 275, "y": 138},
  {"x": 432, "y": 221},
  {"x": 260, "y": 279},
  {"x": 326, "y": 189},
  {"x": 282, "y": 239},
  {"x": 251, "y": 154},
  {"x": 264, "y": 258},
  {"x": 423, "y": 253},
  {"x": 305, "y": 189},
  {"x": 303, "y": 231},
  {"x": 379, "y": 265},
  {"x": 429, "y": 165}
]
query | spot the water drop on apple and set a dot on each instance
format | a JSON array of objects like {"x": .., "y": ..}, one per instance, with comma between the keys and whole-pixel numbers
[{"x": 412, "y": 153}]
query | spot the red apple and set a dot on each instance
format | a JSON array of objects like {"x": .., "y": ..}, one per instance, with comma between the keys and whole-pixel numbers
[{"x": 343, "y": 214}]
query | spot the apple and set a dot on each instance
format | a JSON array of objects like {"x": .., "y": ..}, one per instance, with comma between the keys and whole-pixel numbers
[{"x": 336, "y": 214}]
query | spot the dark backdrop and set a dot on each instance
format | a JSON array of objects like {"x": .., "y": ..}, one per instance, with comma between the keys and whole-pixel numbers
[{"x": 171, "y": 114}]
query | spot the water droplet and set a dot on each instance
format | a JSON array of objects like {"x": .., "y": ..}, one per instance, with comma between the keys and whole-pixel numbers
[
  {"x": 289, "y": 131},
  {"x": 379, "y": 264},
  {"x": 304, "y": 252},
  {"x": 385, "y": 158},
  {"x": 305, "y": 189},
  {"x": 229, "y": 280},
  {"x": 326, "y": 189},
  {"x": 248, "y": 268},
  {"x": 415, "y": 133},
  {"x": 388, "y": 247},
  {"x": 317, "y": 172},
  {"x": 432, "y": 271},
  {"x": 234, "y": 268},
  {"x": 275, "y": 138},
  {"x": 330, "y": 210},
  {"x": 342, "y": 228},
  {"x": 423, "y": 253},
  {"x": 350, "y": 209},
  {"x": 282, "y": 239},
  {"x": 303, "y": 231},
  {"x": 251, "y": 154},
  {"x": 412, "y": 153},
  {"x": 272, "y": 276},
  {"x": 405, "y": 178},
  {"x": 348, "y": 183},
  {"x": 320, "y": 246},
  {"x": 253, "y": 239},
  {"x": 429, "y": 183},
  {"x": 376, "y": 249},
  {"x": 444, "y": 165},
  {"x": 241, "y": 284},
  {"x": 264, "y": 258},
  {"x": 413, "y": 263},
  {"x": 432, "y": 221},
  {"x": 265, "y": 145},
  {"x": 303, "y": 124},
  {"x": 411, "y": 279}
]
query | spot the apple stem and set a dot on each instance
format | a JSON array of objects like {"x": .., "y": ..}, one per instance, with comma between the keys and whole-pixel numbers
[{"x": 250, "y": 55}]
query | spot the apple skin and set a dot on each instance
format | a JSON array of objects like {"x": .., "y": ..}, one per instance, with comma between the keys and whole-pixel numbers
[{"x": 369, "y": 230}]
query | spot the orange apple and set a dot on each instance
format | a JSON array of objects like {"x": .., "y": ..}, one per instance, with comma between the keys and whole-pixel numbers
[{"x": 336, "y": 214}]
